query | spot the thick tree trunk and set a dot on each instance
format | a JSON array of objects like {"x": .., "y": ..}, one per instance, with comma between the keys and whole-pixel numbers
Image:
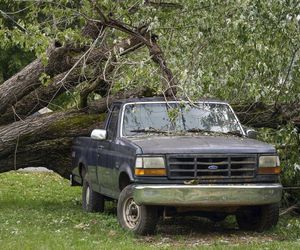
[
  {"x": 60, "y": 59},
  {"x": 51, "y": 154},
  {"x": 27, "y": 80},
  {"x": 40, "y": 97},
  {"x": 45, "y": 141},
  {"x": 37, "y": 96}
]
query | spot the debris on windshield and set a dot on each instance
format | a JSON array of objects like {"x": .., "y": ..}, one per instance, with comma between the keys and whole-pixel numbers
[
  {"x": 174, "y": 119},
  {"x": 197, "y": 130}
]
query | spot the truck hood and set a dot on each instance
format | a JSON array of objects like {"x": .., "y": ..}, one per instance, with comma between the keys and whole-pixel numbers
[{"x": 201, "y": 144}]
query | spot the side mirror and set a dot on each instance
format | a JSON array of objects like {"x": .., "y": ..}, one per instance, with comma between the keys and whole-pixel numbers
[
  {"x": 250, "y": 133},
  {"x": 98, "y": 134}
]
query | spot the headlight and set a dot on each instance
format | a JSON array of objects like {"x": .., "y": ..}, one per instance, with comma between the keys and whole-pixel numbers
[
  {"x": 269, "y": 164},
  {"x": 269, "y": 161},
  {"x": 150, "y": 166}
]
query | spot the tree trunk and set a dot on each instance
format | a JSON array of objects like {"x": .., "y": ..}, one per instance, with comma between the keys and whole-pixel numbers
[
  {"x": 45, "y": 141},
  {"x": 21, "y": 101},
  {"x": 27, "y": 80}
]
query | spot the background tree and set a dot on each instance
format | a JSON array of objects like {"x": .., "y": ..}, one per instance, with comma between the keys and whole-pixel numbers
[{"x": 84, "y": 54}]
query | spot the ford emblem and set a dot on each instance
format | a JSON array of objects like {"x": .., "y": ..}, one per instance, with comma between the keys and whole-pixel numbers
[{"x": 212, "y": 167}]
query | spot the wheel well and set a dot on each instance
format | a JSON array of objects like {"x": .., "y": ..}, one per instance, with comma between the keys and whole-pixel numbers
[{"x": 124, "y": 180}]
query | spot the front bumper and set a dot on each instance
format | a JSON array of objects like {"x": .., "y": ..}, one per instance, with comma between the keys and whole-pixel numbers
[{"x": 207, "y": 195}]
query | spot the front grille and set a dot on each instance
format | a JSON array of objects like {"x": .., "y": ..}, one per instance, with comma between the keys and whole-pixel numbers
[{"x": 211, "y": 166}]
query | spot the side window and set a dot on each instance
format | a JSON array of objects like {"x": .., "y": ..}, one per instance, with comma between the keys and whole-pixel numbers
[{"x": 113, "y": 123}]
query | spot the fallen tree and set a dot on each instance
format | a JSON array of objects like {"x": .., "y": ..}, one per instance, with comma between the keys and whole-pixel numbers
[
  {"x": 27, "y": 139},
  {"x": 45, "y": 141}
]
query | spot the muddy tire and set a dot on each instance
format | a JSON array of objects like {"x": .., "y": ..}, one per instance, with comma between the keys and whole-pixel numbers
[
  {"x": 141, "y": 220},
  {"x": 91, "y": 200},
  {"x": 259, "y": 218}
]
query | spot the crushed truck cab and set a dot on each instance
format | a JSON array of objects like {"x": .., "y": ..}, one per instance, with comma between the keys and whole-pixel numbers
[{"x": 159, "y": 158}]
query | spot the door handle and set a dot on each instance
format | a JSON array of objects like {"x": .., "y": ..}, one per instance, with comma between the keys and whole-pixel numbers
[{"x": 99, "y": 148}]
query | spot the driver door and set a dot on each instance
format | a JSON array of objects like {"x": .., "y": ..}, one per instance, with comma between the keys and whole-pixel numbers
[{"x": 106, "y": 156}]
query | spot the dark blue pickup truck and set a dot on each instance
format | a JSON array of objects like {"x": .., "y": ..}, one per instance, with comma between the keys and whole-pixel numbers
[{"x": 163, "y": 158}]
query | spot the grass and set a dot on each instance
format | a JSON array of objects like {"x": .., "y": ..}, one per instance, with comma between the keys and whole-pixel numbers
[{"x": 41, "y": 211}]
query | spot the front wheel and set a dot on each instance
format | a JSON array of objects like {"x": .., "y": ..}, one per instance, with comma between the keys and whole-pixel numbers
[
  {"x": 259, "y": 218},
  {"x": 141, "y": 220}
]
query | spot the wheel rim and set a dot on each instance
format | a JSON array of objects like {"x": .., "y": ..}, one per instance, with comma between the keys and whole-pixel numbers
[
  {"x": 87, "y": 195},
  {"x": 131, "y": 213}
]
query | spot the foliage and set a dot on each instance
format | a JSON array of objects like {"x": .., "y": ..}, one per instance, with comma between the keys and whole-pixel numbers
[
  {"x": 240, "y": 51},
  {"x": 12, "y": 60},
  {"x": 287, "y": 142},
  {"x": 41, "y": 211}
]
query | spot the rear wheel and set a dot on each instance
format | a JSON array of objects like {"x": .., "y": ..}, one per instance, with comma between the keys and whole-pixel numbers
[
  {"x": 91, "y": 200},
  {"x": 141, "y": 220},
  {"x": 258, "y": 218}
]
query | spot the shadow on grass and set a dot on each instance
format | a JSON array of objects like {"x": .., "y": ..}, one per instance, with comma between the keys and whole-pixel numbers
[
  {"x": 194, "y": 225},
  {"x": 186, "y": 225}
]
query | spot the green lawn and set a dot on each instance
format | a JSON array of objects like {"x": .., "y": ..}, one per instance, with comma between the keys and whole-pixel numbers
[{"x": 41, "y": 211}]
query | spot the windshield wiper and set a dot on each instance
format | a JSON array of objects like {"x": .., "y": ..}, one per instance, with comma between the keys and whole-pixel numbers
[
  {"x": 149, "y": 130},
  {"x": 198, "y": 130},
  {"x": 235, "y": 132}
]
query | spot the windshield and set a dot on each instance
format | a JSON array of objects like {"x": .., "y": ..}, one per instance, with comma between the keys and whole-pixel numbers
[{"x": 143, "y": 118}]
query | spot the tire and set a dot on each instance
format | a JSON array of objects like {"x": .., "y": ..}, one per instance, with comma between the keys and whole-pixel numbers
[
  {"x": 141, "y": 220},
  {"x": 258, "y": 218},
  {"x": 91, "y": 200}
]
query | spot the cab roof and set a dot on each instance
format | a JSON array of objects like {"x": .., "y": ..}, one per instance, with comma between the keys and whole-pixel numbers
[{"x": 162, "y": 99}]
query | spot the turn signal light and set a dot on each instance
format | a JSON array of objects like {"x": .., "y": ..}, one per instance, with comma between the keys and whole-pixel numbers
[
  {"x": 269, "y": 170},
  {"x": 150, "y": 172}
]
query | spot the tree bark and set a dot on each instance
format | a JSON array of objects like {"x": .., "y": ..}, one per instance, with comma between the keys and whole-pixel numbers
[
  {"x": 51, "y": 154},
  {"x": 59, "y": 59},
  {"x": 22, "y": 143},
  {"x": 27, "y": 80}
]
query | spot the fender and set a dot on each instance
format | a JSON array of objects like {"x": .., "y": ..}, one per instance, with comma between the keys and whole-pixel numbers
[{"x": 125, "y": 168}]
